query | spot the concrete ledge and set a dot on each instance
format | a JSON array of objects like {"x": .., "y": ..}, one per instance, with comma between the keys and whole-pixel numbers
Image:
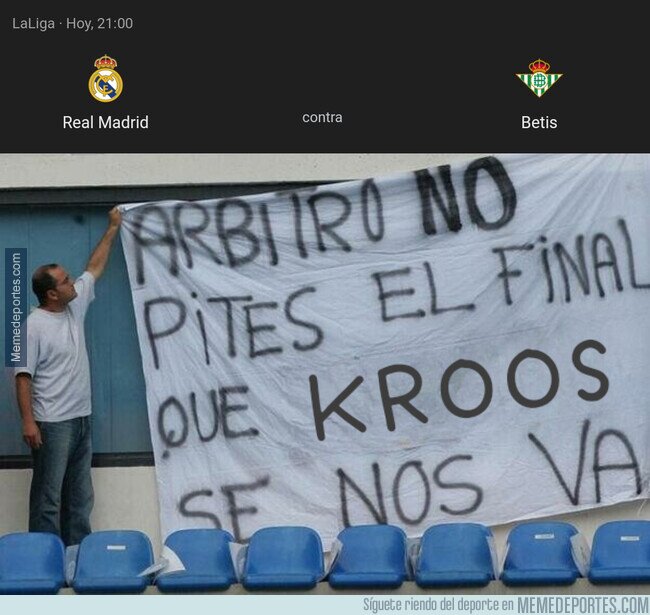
[{"x": 496, "y": 588}]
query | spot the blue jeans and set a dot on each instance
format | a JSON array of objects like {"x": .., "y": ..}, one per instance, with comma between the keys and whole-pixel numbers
[{"x": 61, "y": 496}]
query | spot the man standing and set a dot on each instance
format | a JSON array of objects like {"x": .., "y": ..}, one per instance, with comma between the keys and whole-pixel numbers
[{"x": 53, "y": 392}]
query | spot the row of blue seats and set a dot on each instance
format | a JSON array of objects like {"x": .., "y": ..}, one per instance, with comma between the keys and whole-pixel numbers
[{"x": 290, "y": 557}]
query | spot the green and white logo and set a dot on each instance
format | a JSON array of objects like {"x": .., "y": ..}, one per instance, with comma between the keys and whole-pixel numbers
[{"x": 539, "y": 80}]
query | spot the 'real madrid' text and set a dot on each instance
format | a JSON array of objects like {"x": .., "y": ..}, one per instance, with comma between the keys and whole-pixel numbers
[{"x": 106, "y": 121}]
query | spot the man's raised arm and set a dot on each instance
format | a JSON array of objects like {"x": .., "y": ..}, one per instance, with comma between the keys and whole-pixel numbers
[{"x": 99, "y": 257}]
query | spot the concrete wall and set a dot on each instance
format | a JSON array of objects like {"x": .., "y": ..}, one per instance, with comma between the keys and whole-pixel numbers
[
  {"x": 28, "y": 170},
  {"x": 126, "y": 497}
]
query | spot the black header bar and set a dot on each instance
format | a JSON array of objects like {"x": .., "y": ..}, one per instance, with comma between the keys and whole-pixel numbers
[{"x": 202, "y": 80}]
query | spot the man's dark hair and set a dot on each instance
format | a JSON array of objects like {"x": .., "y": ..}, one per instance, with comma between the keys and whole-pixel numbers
[{"x": 42, "y": 281}]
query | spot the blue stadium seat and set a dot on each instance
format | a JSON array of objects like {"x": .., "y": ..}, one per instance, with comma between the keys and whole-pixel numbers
[
  {"x": 370, "y": 556},
  {"x": 540, "y": 554},
  {"x": 31, "y": 563},
  {"x": 283, "y": 557},
  {"x": 455, "y": 555},
  {"x": 620, "y": 552},
  {"x": 205, "y": 553},
  {"x": 110, "y": 562}
]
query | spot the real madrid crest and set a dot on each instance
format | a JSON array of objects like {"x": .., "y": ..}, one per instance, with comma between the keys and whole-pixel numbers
[{"x": 105, "y": 84}]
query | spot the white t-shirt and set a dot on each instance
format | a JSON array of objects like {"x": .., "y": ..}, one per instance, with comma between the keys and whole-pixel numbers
[{"x": 57, "y": 359}]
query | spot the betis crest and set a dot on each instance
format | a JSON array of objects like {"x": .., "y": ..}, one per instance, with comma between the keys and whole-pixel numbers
[{"x": 539, "y": 80}]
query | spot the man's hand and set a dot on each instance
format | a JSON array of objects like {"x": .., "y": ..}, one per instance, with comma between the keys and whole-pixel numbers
[
  {"x": 32, "y": 434},
  {"x": 114, "y": 217},
  {"x": 99, "y": 257}
]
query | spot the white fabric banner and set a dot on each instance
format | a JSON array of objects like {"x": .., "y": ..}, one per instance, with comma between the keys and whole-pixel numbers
[{"x": 455, "y": 343}]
